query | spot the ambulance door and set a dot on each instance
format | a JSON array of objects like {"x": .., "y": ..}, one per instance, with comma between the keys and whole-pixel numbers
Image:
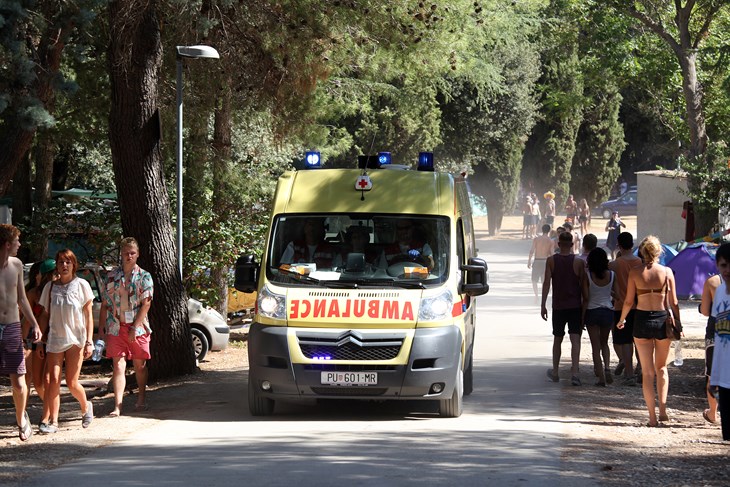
[{"x": 469, "y": 316}]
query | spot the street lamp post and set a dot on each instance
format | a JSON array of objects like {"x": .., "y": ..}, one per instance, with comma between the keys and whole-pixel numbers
[{"x": 184, "y": 52}]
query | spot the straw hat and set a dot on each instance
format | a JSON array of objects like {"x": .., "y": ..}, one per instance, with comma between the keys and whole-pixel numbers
[{"x": 549, "y": 194}]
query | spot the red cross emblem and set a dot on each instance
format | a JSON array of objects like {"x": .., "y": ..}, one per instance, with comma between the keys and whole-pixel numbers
[{"x": 363, "y": 183}]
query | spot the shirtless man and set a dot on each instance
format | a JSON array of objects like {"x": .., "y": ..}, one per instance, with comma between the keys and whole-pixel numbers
[
  {"x": 623, "y": 339},
  {"x": 12, "y": 295},
  {"x": 542, "y": 248}
]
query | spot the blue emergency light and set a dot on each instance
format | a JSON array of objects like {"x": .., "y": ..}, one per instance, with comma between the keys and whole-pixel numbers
[
  {"x": 425, "y": 161},
  {"x": 312, "y": 159},
  {"x": 384, "y": 158}
]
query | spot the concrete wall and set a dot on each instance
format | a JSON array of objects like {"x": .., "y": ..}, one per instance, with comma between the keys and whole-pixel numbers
[{"x": 659, "y": 205}]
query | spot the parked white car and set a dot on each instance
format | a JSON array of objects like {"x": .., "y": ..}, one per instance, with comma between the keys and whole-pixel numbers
[{"x": 208, "y": 328}]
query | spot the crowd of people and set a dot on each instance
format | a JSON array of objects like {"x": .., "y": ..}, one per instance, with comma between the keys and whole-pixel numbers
[
  {"x": 47, "y": 327},
  {"x": 632, "y": 298}
]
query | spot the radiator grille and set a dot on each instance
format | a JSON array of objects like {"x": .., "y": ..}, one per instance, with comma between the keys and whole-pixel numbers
[
  {"x": 350, "y": 345},
  {"x": 349, "y": 391}
]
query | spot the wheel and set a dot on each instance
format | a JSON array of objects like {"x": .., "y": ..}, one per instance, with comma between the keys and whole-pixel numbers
[
  {"x": 258, "y": 404},
  {"x": 452, "y": 407},
  {"x": 200, "y": 343},
  {"x": 469, "y": 376},
  {"x": 606, "y": 213}
]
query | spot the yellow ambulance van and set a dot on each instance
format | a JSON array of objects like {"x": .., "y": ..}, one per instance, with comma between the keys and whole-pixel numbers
[{"x": 366, "y": 287}]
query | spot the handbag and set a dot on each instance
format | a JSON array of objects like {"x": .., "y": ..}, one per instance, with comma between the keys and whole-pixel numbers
[{"x": 673, "y": 328}]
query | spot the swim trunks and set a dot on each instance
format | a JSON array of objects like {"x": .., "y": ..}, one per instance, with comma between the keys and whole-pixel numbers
[{"x": 12, "y": 358}]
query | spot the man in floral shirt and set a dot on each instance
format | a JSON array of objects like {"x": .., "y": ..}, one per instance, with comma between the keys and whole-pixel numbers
[{"x": 127, "y": 298}]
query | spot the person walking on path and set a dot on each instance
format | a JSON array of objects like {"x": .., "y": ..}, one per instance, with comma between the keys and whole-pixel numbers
[
  {"x": 571, "y": 210},
  {"x": 123, "y": 319},
  {"x": 67, "y": 304},
  {"x": 654, "y": 285},
  {"x": 44, "y": 273},
  {"x": 13, "y": 300},
  {"x": 613, "y": 227},
  {"x": 526, "y": 217},
  {"x": 584, "y": 216},
  {"x": 566, "y": 273},
  {"x": 542, "y": 248},
  {"x": 708, "y": 295},
  {"x": 598, "y": 312},
  {"x": 549, "y": 208},
  {"x": 589, "y": 242},
  {"x": 623, "y": 338},
  {"x": 720, "y": 378},
  {"x": 536, "y": 217}
]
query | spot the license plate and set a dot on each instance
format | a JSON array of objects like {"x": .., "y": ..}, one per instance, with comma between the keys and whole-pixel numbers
[{"x": 350, "y": 378}]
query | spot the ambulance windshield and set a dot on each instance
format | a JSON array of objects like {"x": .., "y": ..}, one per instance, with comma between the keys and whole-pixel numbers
[{"x": 361, "y": 249}]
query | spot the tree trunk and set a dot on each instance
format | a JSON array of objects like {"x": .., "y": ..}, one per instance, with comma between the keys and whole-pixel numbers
[
  {"x": 221, "y": 158},
  {"x": 17, "y": 141},
  {"x": 22, "y": 205},
  {"x": 44, "y": 155},
  {"x": 135, "y": 54}
]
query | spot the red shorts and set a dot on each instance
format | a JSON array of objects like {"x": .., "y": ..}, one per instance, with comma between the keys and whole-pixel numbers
[{"x": 120, "y": 346}]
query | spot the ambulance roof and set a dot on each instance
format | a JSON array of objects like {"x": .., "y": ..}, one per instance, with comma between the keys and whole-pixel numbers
[{"x": 393, "y": 191}]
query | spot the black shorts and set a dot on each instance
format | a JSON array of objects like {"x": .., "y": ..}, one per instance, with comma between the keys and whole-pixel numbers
[
  {"x": 571, "y": 316},
  {"x": 625, "y": 336},
  {"x": 582, "y": 219},
  {"x": 602, "y": 317},
  {"x": 650, "y": 324},
  {"x": 550, "y": 219}
]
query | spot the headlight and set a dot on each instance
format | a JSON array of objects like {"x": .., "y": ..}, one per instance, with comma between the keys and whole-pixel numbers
[
  {"x": 272, "y": 305},
  {"x": 436, "y": 308}
]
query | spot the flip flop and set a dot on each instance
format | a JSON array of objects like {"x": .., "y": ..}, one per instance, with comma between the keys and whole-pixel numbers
[
  {"x": 707, "y": 417},
  {"x": 552, "y": 377},
  {"x": 114, "y": 414},
  {"x": 25, "y": 432}
]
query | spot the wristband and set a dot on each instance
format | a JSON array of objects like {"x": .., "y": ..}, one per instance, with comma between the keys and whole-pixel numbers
[{"x": 89, "y": 344}]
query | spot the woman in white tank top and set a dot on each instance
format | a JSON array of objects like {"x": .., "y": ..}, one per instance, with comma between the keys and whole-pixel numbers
[{"x": 598, "y": 312}]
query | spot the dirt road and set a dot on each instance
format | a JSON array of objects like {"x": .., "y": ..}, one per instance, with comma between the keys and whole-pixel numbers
[{"x": 605, "y": 426}]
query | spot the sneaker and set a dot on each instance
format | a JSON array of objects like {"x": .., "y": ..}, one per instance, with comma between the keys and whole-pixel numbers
[
  {"x": 619, "y": 369},
  {"x": 88, "y": 415},
  {"x": 47, "y": 428}
]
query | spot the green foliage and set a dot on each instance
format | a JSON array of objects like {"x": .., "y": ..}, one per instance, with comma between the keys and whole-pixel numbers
[
  {"x": 600, "y": 143},
  {"x": 709, "y": 188},
  {"x": 240, "y": 226},
  {"x": 89, "y": 224}
]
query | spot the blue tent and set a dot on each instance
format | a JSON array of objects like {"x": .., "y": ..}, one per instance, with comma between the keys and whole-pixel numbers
[
  {"x": 668, "y": 254},
  {"x": 692, "y": 267}
]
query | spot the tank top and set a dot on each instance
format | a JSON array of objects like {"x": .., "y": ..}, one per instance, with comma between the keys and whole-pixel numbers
[
  {"x": 566, "y": 286},
  {"x": 599, "y": 296}
]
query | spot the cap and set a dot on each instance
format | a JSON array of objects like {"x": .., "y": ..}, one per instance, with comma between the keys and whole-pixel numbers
[
  {"x": 47, "y": 266},
  {"x": 615, "y": 212}
]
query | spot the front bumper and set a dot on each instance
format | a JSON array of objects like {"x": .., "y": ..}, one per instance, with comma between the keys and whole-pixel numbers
[{"x": 433, "y": 358}]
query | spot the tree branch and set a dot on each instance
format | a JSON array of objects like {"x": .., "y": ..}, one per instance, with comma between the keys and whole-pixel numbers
[
  {"x": 704, "y": 30},
  {"x": 656, "y": 27}
]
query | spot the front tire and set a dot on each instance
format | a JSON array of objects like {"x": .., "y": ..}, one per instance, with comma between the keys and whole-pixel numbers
[
  {"x": 258, "y": 405},
  {"x": 606, "y": 213},
  {"x": 453, "y": 407},
  {"x": 200, "y": 343}
]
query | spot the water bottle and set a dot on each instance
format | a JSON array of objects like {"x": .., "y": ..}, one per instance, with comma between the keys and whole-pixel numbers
[
  {"x": 678, "y": 360},
  {"x": 98, "y": 350}
]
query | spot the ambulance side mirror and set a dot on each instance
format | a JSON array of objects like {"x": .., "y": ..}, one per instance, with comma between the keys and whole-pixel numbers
[
  {"x": 246, "y": 274},
  {"x": 474, "y": 277}
]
